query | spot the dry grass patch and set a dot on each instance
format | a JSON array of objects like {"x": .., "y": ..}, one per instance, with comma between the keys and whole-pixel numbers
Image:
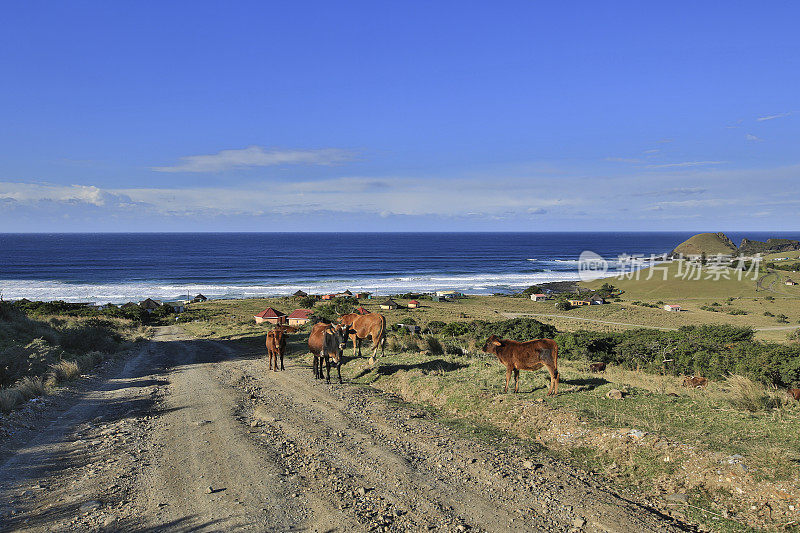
[{"x": 65, "y": 371}]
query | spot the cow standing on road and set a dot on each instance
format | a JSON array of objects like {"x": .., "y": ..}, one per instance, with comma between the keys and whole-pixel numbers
[
  {"x": 276, "y": 345},
  {"x": 326, "y": 342},
  {"x": 530, "y": 355}
]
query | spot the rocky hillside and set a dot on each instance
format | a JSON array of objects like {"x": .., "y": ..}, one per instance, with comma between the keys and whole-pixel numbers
[
  {"x": 749, "y": 247},
  {"x": 719, "y": 243}
]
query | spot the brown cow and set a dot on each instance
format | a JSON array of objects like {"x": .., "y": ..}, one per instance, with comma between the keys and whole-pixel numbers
[
  {"x": 597, "y": 367},
  {"x": 695, "y": 382},
  {"x": 793, "y": 393},
  {"x": 276, "y": 345},
  {"x": 363, "y": 326},
  {"x": 326, "y": 342},
  {"x": 530, "y": 355}
]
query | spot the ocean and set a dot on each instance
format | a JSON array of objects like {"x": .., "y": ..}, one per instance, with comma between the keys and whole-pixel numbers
[{"x": 125, "y": 267}]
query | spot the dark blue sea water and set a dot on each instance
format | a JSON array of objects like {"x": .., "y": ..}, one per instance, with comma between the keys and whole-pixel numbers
[{"x": 122, "y": 267}]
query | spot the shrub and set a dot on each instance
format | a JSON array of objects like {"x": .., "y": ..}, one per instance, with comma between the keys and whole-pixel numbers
[
  {"x": 521, "y": 329},
  {"x": 433, "y": 345},
  {"x": 737, "y": 312},
  {"x": 435, "y": 326},
  {"x": 30, "y": 387},
  {"x": 409, "y": 344},
  {"x": 65, "y": 371},
  {"x": 767, "y": 313},
  {"x": 9, "y": 399},
  {"x": 563, "y": 306},
  {"x": 453, "y": 349},
  {"x": 456, "y": 329}
]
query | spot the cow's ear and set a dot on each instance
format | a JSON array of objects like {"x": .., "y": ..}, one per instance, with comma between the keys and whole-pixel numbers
[{"x": 497, "y": 343}]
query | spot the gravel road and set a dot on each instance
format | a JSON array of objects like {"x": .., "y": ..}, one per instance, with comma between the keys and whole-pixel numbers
[{"x": 194, "y": 435}]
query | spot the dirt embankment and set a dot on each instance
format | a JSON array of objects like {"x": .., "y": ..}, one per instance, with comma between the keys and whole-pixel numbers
[{"x": 194, "y": 435}]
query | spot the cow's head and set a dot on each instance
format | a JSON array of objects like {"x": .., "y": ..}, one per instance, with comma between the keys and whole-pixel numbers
[
  {"x": 492, "y": 344},
  {"x": 335, "y": 341}
]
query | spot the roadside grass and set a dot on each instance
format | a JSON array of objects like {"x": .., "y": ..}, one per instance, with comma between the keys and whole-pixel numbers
[
  {"x": 38, "y": 354},
  {"x": 687, "y": 436}
]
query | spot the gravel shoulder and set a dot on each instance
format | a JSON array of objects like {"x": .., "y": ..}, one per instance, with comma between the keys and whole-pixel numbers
[{"x": 196, "y": 435}]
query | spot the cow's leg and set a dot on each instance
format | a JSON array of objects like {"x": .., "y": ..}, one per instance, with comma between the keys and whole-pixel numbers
[
  {"x": 516, "y": 380},
  {"x": 553, "y": 381},
  {"x": 276, "y": 362},
  {"x": 328, "y": 367},
  {"x": 508, "y": 376},
  {"x": 339, "y": 370},
  {"x": 316, "y": 365},
  {"x": 354, "y": 338}
]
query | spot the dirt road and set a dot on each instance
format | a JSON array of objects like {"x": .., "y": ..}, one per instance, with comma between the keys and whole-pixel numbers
[{"x": 194, "y": 435}]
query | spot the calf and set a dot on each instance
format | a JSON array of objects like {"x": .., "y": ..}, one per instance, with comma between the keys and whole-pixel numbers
[
  {"x": 276, "y": 345},
  {"x": 326, "y": 342},
  {"x": 530, "y": 355},
  {"x": 695, "y": 382},
  {"x": 793, "y": 393},
  {"x": 597, "y": 367}
]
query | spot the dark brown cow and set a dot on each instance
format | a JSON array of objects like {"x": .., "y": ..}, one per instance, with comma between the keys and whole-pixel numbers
[
  {"x": 695, "y": 382},
  {"x": 530, "y": 355},
  {"x": 276, "y": 345},
  {"x": 597, "y": 367},
  {"x": 793, "y": 393},
  {"x": 326, "y": 342},
  {"x": 363, "y": 326}
]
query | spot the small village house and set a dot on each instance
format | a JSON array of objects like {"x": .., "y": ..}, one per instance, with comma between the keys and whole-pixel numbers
[
  {"x": 450, "y": 295},
  {"x": 362, "y": 295},
  {"x": 271, "y": 315},
  {"x": 413, "y": 304},
  {"x": 298, "y": 317},
  {"x": 198, "y": 299},
  {"x": 579, "y": 303},
  {"x": 389, "y": 304},
  {"x": 597, "y": 300},
  {"x": 149, "y": 305},
  {"x": 177, "y": 306},
  {"x": 300, "y": 294},
  {"x": 669, "y": 307},
  {"x": 790, "y": 282},
  {"x": 344, "y": 294},
  {"x": 539, "y": 297},
  {"x": 327, "y": 297}
]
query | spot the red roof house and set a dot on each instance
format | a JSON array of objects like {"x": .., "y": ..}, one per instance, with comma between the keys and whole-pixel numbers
[
  {"x": 271, "y": 315},
  {"x": 298, "y": 317},
  {"x": 413, "y": 304}
]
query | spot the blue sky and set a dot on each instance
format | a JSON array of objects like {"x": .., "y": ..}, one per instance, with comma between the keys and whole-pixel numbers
[{"x": 315, "y": 116}]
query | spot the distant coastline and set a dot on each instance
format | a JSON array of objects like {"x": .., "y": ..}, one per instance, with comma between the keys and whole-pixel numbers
[{"x": 118, "y": 268}]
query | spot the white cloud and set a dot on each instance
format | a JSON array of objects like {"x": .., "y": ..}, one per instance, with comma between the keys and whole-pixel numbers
[
  {"x": 686, "y": 164},
  {"x": 256, "y": 156},
  {"x": 536, "y": 211},
  {"x": 673, "y": 191},
  {"x": 751, "y": 137},
  {"x": 32, "y": 192},
  {"x": 653, "y": 151},
  {"x": 772, "y": 117}
]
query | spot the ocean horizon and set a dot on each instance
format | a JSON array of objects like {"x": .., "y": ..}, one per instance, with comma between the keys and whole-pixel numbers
[{"x": 121, "y": 267}]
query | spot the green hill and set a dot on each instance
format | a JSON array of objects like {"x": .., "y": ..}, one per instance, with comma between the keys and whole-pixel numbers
[{"x": 706, "y": 243}]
